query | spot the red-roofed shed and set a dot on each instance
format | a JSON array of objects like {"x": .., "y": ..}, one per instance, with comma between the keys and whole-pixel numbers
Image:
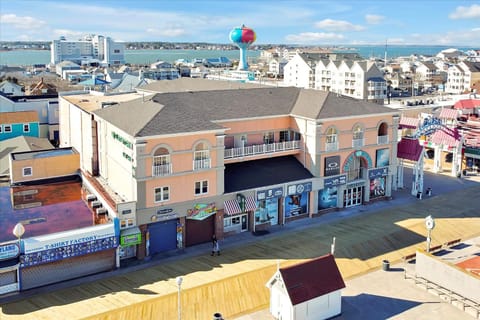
[{"x": 307, "y": 290}]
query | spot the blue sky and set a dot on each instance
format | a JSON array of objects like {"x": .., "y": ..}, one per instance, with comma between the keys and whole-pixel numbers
[{"x": 308, "y": 22}]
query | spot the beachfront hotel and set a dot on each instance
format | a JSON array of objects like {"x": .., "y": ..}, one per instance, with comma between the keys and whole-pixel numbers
[{"x": 91, "y": 49}]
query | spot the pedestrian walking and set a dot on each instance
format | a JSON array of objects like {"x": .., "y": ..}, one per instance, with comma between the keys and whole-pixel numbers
[{"x": 215, "y": 245}]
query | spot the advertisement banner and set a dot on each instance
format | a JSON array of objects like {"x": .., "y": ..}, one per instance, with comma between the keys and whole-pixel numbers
[
  {"x": 332, "y": 166},
  {"x": 9, "y": 251},
  {"x": 327, "y": 198},
  {"x": 296, "y": 204},
  {"x": 336, "y": 181},
  {"x": 299, "y": 188},
  {"x": 270, "y": 193}
]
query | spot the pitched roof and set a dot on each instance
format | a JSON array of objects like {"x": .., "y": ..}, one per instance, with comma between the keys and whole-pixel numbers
[
  {"x": 467, "y": 104},
  {"x": 446, "y": 136},
  {"x": 185, "y": 84},
  {"x": 448, "y": 113},
  {"x": 409, "y": 149},
  {"x": 182, "y": 112},
  {"x": 312, "y": 279},
  {"x": 407, "y": 122}
]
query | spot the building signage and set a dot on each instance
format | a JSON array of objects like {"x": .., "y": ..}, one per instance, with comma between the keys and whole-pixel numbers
[
  {"x": 299, "y": 188},
  {"x": 335, "y": 181},
  {"x": 9, "y": 251},
  {"x": 270, "y": 193},
  {"x": 130, "y": 239},
  {"x": 332, "y": 166},
  {"x": 472, "y": 151},
  {"x": 377, "y": 173},
  {"x": 49, "y": 248},
  {"x": 201, "y": 211},
  {"x": 164, "y": 211}
]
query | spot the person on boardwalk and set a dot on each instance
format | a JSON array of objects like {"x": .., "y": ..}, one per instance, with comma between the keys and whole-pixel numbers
[{"x": 215, "y": 246}]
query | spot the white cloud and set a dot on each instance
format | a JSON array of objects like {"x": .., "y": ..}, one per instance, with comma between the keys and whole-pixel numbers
[
  {"x": 167, "y": 32},
  {"x": 461, "y": 12},
  {"x": 338, "y": 25},
  {"x": 19, "y": 22},
  {"x": 308, "y": 37},
  {"x": 374, "y": 19}
]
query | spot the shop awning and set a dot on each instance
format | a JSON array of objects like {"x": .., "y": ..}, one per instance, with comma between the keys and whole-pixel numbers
[
  {"x": 446, "y": 137},
  {"x": 408, "y": 123},
  {"x": 250, "y": 204},
  {"x": 232, "y": 207},
  {"x": 448, "y": 113}
]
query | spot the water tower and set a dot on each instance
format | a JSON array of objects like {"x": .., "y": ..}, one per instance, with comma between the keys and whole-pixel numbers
[{"x": 243, "y": 37}]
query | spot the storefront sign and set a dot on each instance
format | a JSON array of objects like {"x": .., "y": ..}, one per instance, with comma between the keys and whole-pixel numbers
[
  {"x": 377, "y": 173},
  {"x": 299, "y": 188},
  {"x": 336, "y": 181},
  {"x": 332, "y": 166},
  {"x": 69, "y": 244},
  {"x": 130, "y": 239},
  {"x": 472, "y": 151},
  {"x": 164, "y": 211},
  {"x": 201, "y": 211},
  {"x": 270, "y": 193},
  {"x": 9, "y": 251}
]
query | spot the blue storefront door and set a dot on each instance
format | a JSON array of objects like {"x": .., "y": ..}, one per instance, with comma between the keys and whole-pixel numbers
[{"x": 163, "y": 236}]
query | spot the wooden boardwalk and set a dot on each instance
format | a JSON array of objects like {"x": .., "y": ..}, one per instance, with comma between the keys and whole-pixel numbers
[{"x": 234, "y": 283}]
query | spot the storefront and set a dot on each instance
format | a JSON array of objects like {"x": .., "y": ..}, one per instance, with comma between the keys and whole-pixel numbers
[
  {"x": 328, "y": 196},
  {"x": 267, "y": 211},
  {"x": 129, "y": 239},
  {"x": 66, "y": 255},
  {"x": 161, "y": 235},
  {"x": 200, "y": 223},
  {"x": 297, "y": 200},
  {"x": 353, "y": 194},
  {"x": 238, "y": 213},
  {"x": 9, "y": 267},
  {"x": 378, "y": 182},
  {"x": 472, "y": 159}
]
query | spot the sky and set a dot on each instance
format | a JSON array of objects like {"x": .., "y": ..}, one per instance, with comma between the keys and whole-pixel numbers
[{"x": 295, "y": 22}]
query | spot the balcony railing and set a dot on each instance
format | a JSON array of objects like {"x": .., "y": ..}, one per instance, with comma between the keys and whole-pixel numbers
[
  {"x": 162, "y": 169},
  {"x": 358, "y": 143},
  {"x": 331, "y": 146},
  {"x": 261, "y": 149},
  {"x": 201, "y": 164},
  {"x": 382, "y": 139}
]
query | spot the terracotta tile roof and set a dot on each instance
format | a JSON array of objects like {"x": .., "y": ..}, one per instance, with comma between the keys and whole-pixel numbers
[
  {"x": 448, "y": 113},
  {"x": 312, "y": 279},
  {"x": 18, "y": 117},
  {"x": 446, "y": 137},
  {"x": 409, "y": 149},
  {"x": 408, "y": 123}
]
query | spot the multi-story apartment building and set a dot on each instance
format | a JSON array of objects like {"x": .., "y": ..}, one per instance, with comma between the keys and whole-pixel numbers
[
  {"x": 340, "y": 73},
  {"x": 90, "y": 49},
  {"x": 212, "y": 158},
  {"x": 462, "y": 76}
]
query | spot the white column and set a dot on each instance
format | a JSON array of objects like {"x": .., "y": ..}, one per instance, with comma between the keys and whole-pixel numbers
[{"x": 437, "y": 160}]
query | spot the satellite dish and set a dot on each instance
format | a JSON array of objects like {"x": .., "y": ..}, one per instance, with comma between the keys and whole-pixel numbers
[{"x": 429, "y": 223}]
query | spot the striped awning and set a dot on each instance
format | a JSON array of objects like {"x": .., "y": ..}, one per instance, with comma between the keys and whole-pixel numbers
[
  {"x": 448, "y": 113},
  {"x": 232, "y": 207},
  {"x": 408, "y": 123},
  {"x": 446, "y": 137},
  {"x": 250, "y": 204}
]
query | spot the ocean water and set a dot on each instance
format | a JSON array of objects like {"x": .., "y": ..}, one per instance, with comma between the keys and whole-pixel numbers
[{"x": 30, "y": 57}]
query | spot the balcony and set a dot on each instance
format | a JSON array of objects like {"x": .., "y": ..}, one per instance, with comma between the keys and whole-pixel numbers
[
  {"x": 358, "y": 143},
  {"x": 162, "y": 169},
  {"x": 253, "y": 150},
  {"x": 331, "y": 146},
  {"x": 199, "y": 164},
  {"x": 382, "y": 139}
]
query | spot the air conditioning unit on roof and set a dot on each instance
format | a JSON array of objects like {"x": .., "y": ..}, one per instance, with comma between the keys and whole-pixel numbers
[
  {"x": 91, "y": 197},
  {"x": 101, "y": 211}
]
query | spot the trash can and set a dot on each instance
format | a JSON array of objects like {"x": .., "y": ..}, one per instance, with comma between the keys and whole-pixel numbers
[
  {"x": 217, "y": 316},
  {"x": 385, "y": 265},
  {"x": 419, "y": 195},
  {"x": 429, "y": 191}
]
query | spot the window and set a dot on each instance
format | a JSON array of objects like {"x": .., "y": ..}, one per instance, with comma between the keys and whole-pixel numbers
[
  {"x": 268, "y": 137},
  {"x": 27, "y": 171},
  {"x": 201, "y": 187},
  {"x": 161, "y": 162},
  {"x": 201, "y": 157},
  {"x": 162, "y": 194},
  {"x": 357, "y": 133},
  {"x": 7, "y": 128},
  {"x": 331, "y": 135},
  {"x": 116, "y": 51}
]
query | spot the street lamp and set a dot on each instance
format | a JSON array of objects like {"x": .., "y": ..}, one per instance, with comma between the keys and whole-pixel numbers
[
  {"x": 18, "y": 230},
  {"x": 430, "y": 224},
  {"x": 179, "y": 284}
]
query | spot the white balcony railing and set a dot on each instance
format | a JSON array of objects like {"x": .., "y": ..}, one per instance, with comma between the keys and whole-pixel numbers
[
  {"x": 382, "y": 139},
  {"x": 201, "y": 164},
  {"x": 261, "y": 149},
  {"x": 162, "y": 169},
  {"x": 358, "y": 143},
  {"x": 331, "y": 146}
]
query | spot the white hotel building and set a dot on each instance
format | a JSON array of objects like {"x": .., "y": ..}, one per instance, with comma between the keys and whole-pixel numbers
[{"x": 92, "y": 48}]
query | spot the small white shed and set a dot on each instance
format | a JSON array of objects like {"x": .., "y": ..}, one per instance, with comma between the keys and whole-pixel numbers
[{"x": 308, "y": 290}]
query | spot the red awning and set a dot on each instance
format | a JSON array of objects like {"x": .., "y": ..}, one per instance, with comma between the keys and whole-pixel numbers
[
  {"x": 446, "y": 137},
  {"x": 232, "y": 207},
  {"x": 408, "y": 123},
  {"x": 448, "y": 113},
  {"x": 250, "y": 204},
  {"x": 409, "y": 149}
]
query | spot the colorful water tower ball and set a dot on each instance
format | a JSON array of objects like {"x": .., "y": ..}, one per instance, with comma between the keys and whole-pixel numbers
[{"x": 242, "y": 36}]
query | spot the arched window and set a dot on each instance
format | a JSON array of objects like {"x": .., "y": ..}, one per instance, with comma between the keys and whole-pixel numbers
[
  {"x": 331, "y": 139},
  {"x": 383, "y": 133},
  {"x": 357, "y": 137},
  {"x": 201, "y": 157},
  {"x": 161, "y": 162}
]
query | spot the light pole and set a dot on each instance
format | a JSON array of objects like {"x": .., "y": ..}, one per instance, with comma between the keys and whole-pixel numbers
[
  {"x": 430, "y": 224},
  {"x": 179, "y": 284},
  {"x": 18, "y": 231}
]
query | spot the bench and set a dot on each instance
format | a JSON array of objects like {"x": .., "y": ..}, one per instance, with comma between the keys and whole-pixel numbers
[{"x": 452, "y": 243}]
